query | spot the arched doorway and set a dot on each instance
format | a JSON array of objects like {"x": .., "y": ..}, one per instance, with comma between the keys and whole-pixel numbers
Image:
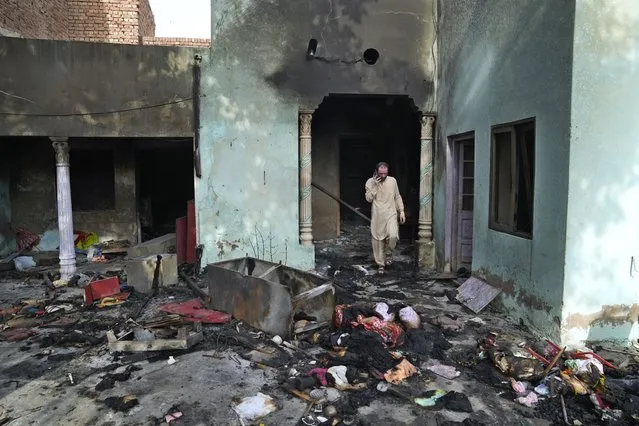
[{"x": 350, "y": 134}]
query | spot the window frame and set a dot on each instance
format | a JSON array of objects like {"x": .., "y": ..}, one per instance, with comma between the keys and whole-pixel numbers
[{"x": 517, "y": 142}]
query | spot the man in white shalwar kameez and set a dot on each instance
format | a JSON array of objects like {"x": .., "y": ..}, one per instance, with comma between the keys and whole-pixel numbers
[{"x": 387, "y": 205}]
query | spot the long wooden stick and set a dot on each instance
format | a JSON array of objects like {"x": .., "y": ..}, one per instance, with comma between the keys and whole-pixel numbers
[
  {"x": 554, "y": 361},
  {"x": 563, "y": 409},
  {"x": 342, "y": 202},
  {"x": 195, "y": 289}
]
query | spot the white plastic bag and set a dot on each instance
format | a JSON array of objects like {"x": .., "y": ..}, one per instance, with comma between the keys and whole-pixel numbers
[
  {"x": 255, "y": 407},
  {"x": 23, "y": 263},
  {"x": 382, "y": 309},
  {"x": 582, "y": 366},
  {"x": 446, "y": 371},
  {"x": 339, "y": 374},
  {"x": 409, "y": 317}
]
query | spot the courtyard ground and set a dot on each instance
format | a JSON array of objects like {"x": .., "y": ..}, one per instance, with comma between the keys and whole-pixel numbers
[{"x": 62, "y": 371}]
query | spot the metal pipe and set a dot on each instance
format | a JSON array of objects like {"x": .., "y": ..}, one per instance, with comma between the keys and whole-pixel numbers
[
  {"x": 342, "y": 202},
  {"x": 197, "y": 164}
]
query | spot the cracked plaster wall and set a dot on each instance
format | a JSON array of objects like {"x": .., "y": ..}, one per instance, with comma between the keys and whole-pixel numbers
[
  {"x": 257, "y": 81},
  {"x": 503, "y": 61},
  {"x": 602, "y": 286}
]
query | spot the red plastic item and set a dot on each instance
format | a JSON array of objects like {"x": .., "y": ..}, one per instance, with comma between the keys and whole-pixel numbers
[
  {"x": 99, "y": 289},
  {"x": 180, "y": 236},
  {"x": 539, "y": 357},
  {"x": 190, "y": 232},
  {"x": 389, "y": 331},
  {"x": 194, "y": 311}
]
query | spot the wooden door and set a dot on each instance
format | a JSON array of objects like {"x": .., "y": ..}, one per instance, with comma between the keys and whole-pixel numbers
[{"x": 464, "y": 203}]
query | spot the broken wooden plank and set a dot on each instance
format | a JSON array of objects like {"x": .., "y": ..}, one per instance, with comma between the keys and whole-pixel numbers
[
  {"x": 185, "y": 339},
  {"x": 117, "y": 250},
  {"x": 195, "y": 289},
  {"x": 443, "y": 276},
  {"x": 168, "y": 321},
  {"x": 475, "y": 294},
  {"x": 312, "y": 326},
  {"x": 154, "y": 345}
]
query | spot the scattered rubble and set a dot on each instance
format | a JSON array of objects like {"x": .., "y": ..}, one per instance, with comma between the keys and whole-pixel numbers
[
  {"x": 347, "y": 347},
  {"x": 122, "y": 403}
]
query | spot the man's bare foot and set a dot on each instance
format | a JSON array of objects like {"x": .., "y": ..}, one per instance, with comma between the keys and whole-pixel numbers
[{"x": 381, "y": 271}]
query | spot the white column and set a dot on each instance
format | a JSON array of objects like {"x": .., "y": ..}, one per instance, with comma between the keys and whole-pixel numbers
[
  {"x": 306, "y": 208},
  {"x": 426, "y": 246},
  {"x": 425, "y": 224},
  {"x": 65, "y": 211}
]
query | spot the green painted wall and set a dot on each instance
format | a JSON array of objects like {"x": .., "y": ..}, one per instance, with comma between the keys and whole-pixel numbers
[
  {"x": 257, "y": 81},
  {"x": 503, "y": 61},
  {"x": 601, "y": 293}
]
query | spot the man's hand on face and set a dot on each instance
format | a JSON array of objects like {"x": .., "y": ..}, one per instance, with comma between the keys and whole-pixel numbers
[
  {"x": 402, "y": 218},
  {"x": 381, "y": 174}
]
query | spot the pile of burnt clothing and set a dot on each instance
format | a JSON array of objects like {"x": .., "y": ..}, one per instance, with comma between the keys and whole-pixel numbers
[
  {"x": 370, "y": 350},
  {"x": 389, "y": 323},
  {"x": 560, "y": 373},
  {"x": 399, "y": 327},
  {"x": 366, "y": 351},
  {"x": 387, "y": 341},
  {"x": 367, "y": 343}
]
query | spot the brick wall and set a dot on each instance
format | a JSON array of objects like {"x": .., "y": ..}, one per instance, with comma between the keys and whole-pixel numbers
[
  {"x": 87, "y": 20},
  {"x": 44, "y": 19},
  {"x": 99, "y": 21},
  {"x": 146, "y": 20},
  {"x": 176, "y": 41},
  {"x": 108, "y": 21}
]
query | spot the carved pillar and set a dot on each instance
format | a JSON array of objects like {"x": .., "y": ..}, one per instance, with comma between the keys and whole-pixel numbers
[
  {"x": 426, "y": 246},
  {"x": 65, "y": 212},
  {"x": 306, "y": 212}
]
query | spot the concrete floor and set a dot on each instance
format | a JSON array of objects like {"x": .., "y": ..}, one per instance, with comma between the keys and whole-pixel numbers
[{"x": 38, "y": 391}]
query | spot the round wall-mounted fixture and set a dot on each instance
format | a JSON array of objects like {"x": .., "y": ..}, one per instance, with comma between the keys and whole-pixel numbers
[{"x": 371, "y": 56}]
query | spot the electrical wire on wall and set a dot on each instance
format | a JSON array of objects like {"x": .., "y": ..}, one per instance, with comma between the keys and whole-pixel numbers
[
  {"x": 82, "y": 114},
  {"x": 370, "y": 56}
]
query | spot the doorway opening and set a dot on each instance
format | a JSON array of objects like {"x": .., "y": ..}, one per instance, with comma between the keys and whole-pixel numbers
[
  {"x": 461, "y": 187},
  {"x": 351, "y": 134},
  {"x": 164, "y": 170}
]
